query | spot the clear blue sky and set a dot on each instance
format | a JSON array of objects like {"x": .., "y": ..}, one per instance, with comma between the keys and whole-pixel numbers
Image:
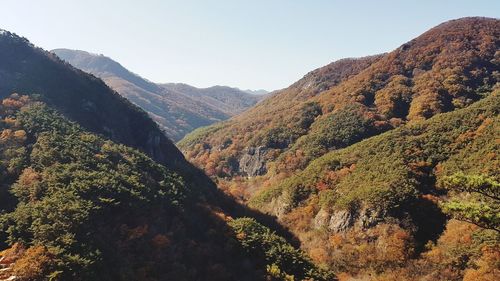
[{"x": 248, "y": 44}]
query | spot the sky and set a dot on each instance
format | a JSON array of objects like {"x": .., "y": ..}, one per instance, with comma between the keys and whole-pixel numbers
[{"x": 253, "y": 44}]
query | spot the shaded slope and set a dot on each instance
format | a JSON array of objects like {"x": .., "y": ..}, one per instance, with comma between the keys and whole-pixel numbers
[
  {"x": 81, "y": 97},
  {"x": 85, "y": 208}
]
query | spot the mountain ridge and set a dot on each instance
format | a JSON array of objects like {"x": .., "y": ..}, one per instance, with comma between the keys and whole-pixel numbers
[
  {"x": 178, "y": 108},
  {"x": 28, "y": 69},
  {"x": 442, "y": 67}
]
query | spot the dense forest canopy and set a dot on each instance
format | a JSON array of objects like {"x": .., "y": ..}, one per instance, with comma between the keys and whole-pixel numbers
[
  {"x": 91, "y": 189},
  {"x": 75, "y": 206}
]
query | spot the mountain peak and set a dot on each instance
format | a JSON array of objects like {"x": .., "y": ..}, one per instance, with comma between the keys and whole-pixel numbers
[{"x": 457, "y": 23}]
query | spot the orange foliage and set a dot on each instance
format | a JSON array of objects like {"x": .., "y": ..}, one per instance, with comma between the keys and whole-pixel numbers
[
  {"x": 29, "y": 181},
  {"x": 382, "y": 247},
  {"x": 300, "y": 218},
  {"x": 319, "y": 255},
  {"x": 160, "y": 241},
  {"x": 33, "y": 264},
  {"x": 332, "y": 178},
  {"x": 488, "y": 266}
]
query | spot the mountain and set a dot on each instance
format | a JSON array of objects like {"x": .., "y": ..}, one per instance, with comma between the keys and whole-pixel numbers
[
  {"x": 81, "y": 97},
  {"x": 177, "y": 108},
  {"x": 388, "y": 189},
  {"x": 260, "y": 92},
  {"x": 231, "y": 101},
  {"x": 357, "y": 158},
  {"x": 446, "y": 68},
  {"x": 91, "y": 189},
  {"x": 227, "y": 149}
]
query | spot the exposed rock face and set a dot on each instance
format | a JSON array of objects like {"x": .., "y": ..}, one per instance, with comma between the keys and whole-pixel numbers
[
  {"x": 253, "y": 162},
  {"x": 321, "y": 219},
  {"x": 342, "y": 220},
  {"x": 279, "y": 206},
  {"x": 339, "y": 221}
]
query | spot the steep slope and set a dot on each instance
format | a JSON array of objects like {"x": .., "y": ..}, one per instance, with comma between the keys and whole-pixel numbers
[
  {"x": 85, "y": 208},
  {"x": 79, "y": 202},
  {"x": 358, "y": 170},
  {"x": 373, "y": 207},
  {"x": 446, "y": 68},
  {"x": 82, "y": 98},
  {"x": 229, "y": 139},
  {"x": 177, "y": 108}
]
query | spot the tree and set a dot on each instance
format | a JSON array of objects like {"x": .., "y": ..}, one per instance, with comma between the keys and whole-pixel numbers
[{"x": 477, "y": 200}]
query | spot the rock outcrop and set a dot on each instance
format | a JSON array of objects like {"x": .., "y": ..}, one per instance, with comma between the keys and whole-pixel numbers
[
  {"x": 339, "y": 221},
  {"x": 342, "y": 220},
  {"x": 253, "y": 162}
]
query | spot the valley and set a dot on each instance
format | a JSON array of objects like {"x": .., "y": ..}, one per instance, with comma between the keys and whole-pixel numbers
[
  {"x": 178, "y": 108},
  {"x": 383, "y": 167}
]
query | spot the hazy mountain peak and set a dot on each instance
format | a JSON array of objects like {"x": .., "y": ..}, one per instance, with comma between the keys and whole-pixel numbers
[
  {"x": 177, "y": 107},
  {"x": 259, "y": 92}
]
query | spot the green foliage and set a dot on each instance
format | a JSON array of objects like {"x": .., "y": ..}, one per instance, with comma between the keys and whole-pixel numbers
[
  {"x": 86, "y": 208},
  {"x": 283, "y": 260},
  {"x": 342, "y": 128},
  {"x": 309, "y": 112},
  {"x": 75, "y": 185},
  {"x": 390, "y": 169},
  {"x": 336, "y": 130},
  {"x": 196, "y": 135},
  {"x": 477, "y": 199},
  {"x": 282, "y": 136}
]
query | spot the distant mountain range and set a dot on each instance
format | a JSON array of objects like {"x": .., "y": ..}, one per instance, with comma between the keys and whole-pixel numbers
[
  {"x": 257, "y": 92},
  {"x": 177, "y": 108}
]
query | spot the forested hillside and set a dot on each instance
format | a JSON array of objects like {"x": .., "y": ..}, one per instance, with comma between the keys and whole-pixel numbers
[
  {"x": 388, "y": 190},
  {"x": 177, "y": 108},
  {"x": 81, "y": 97},
  {"x": 75, "y": 206},
  {"x": 386, "y": 170},
  {"x": 447, "y": 68},
  {"x": 91, "y": 189}
]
